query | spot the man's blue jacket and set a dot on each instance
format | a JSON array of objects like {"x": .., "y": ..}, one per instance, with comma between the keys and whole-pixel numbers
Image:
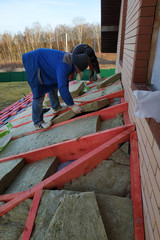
[{"x": 47, "y": 69}]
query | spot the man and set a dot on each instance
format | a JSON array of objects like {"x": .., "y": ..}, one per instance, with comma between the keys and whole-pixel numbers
[
  {"x": 93, "y": 65},
  {"x": 47, "y": 72}
]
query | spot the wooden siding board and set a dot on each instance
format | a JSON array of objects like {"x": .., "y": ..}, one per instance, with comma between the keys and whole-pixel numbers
[
  {"x": 141, "y": 39},
  {"x": 155, "y": 129},
  {"x": 151, "y": 157},
  {"x": 129, "y": 67},
  {"x": 148, "y": 229},
  {"x": 158, "y": 176},
  {"x": 154, "y": 185},
  {"x": 156, "y": 211},
  {"x": 150, "y": 208},
  {"x": 156, "y": 233},
  {"x": 130, "y": 53},
  {"x": 131, "y": 5},
  {"x": 131, "y": 34},
  {"x": 130, "y": 47},
  {"x": 131, "y": 10},
  {"x": 149, "y": 133},
  {"x": 133, "y": 15},
  {"x": 156, "y": 151},
  {"x": 146, "y": 178}
]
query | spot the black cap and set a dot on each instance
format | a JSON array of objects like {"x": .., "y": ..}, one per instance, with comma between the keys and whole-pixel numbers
[{"x": 81, "y": 61}]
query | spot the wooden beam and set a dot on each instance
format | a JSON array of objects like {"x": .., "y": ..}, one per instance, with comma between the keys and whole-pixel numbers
[
  {"x": 32, "y": 215},
  {"x": 81, "y": 166},
  {"x": 136, "y": 188},
  {"x": 106, "y": 113},
  {"x": 71, "y": 149}
]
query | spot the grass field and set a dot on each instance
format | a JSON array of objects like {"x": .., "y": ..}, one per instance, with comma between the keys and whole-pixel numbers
[{"x": 11, "y": 92}]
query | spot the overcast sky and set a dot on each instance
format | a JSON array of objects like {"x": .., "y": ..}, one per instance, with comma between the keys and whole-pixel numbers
[{"x": 15, "y": 15}]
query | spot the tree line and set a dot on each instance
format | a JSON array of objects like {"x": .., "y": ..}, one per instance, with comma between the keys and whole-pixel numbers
[{"x": 62, "y": 38}]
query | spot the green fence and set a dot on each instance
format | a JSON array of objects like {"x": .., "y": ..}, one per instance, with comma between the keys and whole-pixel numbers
[
  {"x": 104, "y": 73},
  {"x": 21, "y": 76},
  {"x": 13, "y": 77}
]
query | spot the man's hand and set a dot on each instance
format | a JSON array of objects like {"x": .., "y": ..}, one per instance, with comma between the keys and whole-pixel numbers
[
  {"x": 99, "y": 77},
  {"x": 76, "y": 109}
]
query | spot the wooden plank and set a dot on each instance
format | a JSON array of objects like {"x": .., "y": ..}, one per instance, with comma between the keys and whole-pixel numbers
[
  {"x": 83, "y": 165},
  {"x": 71, "y": 149},
  {"x": 106, "y": 113},
  {"x": 8, "y": 197},
  {"x": 125, "y": 114},
  {"x": 136, "y": 188},
  {"x": 32, "y": 215}
]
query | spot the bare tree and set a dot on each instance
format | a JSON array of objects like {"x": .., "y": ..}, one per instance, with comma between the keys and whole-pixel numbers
[
  {"x": 96, "y": 29},
  {"x": 18, "y": 42},
  {"x": 49, "y": 36},
  {"x": 7, "y": 44},
  {"x": 37, "y": 33},
  {"x": 80, "y": 27},
  {"x": 12, "y": 47}
]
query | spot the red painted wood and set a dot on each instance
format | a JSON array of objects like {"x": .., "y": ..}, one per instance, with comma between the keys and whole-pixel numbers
[
  {"x": 5, "y": 116},
  {"x": 13, "y": 120},
  {"x": 32, "y": 215},
  {"x": 109, "y": 96},
  {"x": 83, "y": 165},
  {"x": 21, "y": 124},
  {"x": 125, "y": 114},
  {"x": 126, "y": 118},
  {"x": 136, "y": 188},
  {"x": 13, "y": 113},
  {"x": 8, "y": 197},
  {"x": 28, "y": 98},
  {"x": 71, "y": 149},
  {"x": 106, "y": 113}
]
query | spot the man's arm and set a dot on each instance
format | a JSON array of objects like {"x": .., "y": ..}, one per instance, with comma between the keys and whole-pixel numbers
[{"x": 63, "y": 87}]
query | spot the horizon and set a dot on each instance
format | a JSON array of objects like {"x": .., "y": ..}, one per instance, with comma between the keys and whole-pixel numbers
[{"x": 16, "y": 15}]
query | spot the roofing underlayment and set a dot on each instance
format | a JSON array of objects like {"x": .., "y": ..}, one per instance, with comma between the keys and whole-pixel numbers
[{"x": 80, "y": 178}]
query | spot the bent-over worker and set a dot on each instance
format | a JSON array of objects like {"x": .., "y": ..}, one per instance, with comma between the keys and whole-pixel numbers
[
  {"x": 93, "y": 65},
  {"x": 47, "y": 72}
]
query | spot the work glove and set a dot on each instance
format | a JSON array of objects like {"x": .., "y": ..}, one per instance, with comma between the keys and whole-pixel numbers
[
  {"x": 76, "y": 109},
  {"x": 99, "y": 77}
]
